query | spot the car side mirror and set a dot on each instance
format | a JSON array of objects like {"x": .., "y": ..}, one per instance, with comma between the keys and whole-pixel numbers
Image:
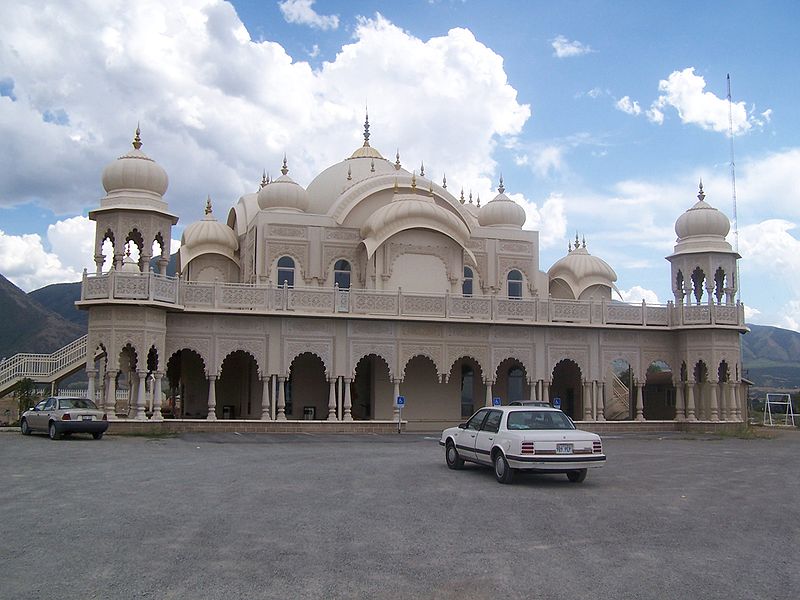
[{"x": 462, "y": 425}]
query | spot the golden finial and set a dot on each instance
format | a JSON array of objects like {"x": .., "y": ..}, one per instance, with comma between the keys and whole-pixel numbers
[
  {"x": 284, "y": 168},
  {"x": 444, "y": 181},
  {"x": 208, "y": 205},
  {"x": 366, "y": 129},
  {"x": 137, "y": 140},
  {"x": 397, "y": 160},
  {"x": 414, "y": 182}
]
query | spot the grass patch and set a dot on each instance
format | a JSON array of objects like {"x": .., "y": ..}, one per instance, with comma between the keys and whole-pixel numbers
[{"x": 746, "y": 432}]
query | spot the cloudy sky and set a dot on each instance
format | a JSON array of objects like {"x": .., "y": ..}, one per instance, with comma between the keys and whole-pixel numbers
[{"x": 601, "y": 116}]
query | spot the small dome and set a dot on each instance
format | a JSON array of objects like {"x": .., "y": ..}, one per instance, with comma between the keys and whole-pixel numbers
[
  {"x": 129, "y": 265},
  {"x": 580, "y": 270},
  {"x": 283, "y": 193},
  {"x": 209, "y": 235},
  {"x": 502, "y": 211},
  {"x": 702, "y": 219},
  {"x": 135, "y": 171},
  {"x": 366, "y": 151}
]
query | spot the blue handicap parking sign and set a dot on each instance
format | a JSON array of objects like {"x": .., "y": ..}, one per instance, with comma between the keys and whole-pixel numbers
[
  {"x": 557, "y": 402},
  {"x": 401, "y": 401},
  {"x": 496, "y": 401}
]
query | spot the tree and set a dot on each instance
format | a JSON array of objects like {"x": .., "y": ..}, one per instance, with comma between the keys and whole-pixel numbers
[{"x": 25, "y": 391}]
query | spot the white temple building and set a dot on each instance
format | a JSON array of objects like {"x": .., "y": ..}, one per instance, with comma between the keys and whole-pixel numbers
[{"x": 325, "y": 303}]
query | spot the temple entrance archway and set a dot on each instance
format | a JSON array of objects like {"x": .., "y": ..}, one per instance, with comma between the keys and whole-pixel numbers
[
  {"x": 306, "y": 389},
  {"x": 239, "y": 388},
  {"x": 620, "y": 401},
  {"x": 566, "y": 385},
  {"x": 188, "y": 386},
  {"x": 659, "y": 392},
  {"x": 511, "y": 383},
  {"x": 420, "y": 385},
  {"x": 372, "y": 389}
]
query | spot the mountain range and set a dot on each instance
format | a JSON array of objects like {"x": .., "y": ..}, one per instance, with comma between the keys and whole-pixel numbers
[{"x": 46, "y": 319}]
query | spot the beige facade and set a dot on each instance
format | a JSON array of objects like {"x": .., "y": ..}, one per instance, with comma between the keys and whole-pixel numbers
[{"x": 326, "y": 303}]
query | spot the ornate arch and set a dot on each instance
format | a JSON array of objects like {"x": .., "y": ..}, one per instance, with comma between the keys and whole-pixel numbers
[
  {"x": 579, "y": 357},
  {"x": 386, "y": 352},
  {"x": 201, "y": 346},
  {"x": 227, "y": 346},
  {"x": 430, "y": 351},
  {"x": 322, "y": 349},
  {"x": 476, "y": 353},
  {"x": 629, "y": 356},
  {"x": 522, "y": 355}
]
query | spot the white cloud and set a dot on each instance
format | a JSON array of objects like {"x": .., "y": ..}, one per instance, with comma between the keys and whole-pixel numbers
[
  {"x": 25, "y": 262},
  {"x": 550, "y": 220},
  {"x": 564, "y": 48},
  {"x": 637, "y": 294},
  {"x": 655, "y": 115},
  {"x": 684, "y": 91},
  {"x": 302, "y": 12},
  {"x": 627, "y": 106},
  {"x": 545, "y": 160}
]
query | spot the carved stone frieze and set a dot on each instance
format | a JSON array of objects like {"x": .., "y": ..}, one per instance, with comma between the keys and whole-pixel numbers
[
  {"x": 522, "y": 354},
  {"x": 580, "y": 356},
  {"x": 255, "y": 347},
  {"x": 343, "y": 234},
  {"x": 386, "y": 350},
  {"x": 435, "y": 352},
  {"x": 287, "y": 231},
  {"x": 198, "y": 344},
  {"x": 423, "y": 330},
  {"x": 511, "y": 332},
  {"x": 312, "y": 327},
  {"x": 516, "y": 247},
  {"x": 371, "y": 328},
  {"x": 468, "y": 331},
  {"x": 480, "y": 354},
  {"x": 504, "y": 265},
  {"x": 292, "y": 348}
]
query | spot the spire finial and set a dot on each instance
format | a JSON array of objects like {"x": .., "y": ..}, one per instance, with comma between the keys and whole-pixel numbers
[
  {"x": 372, "y": 166},
  {"x": 501, "y": 188},
  {"x": 396, "y": 189},
  {"x": 137, "y": 140},
  {"x": 430, "y": 188},
  {"x": 583, "y": 241},
  {"x": 264, "y": 181},
  {"x": 569, "y": 246},
  {"x": 349, "y": 174},
  {"x": 208, "y": 205},
  {"x": 470, "y": 196},
  {"x": 397, "y": 160},
  {"x": 444, "y": 180},
  {"x": 366, "y": 128},
  {"x": 462, "y": 196},
  {"x": 414, "y": 182},
  {"x": 422, "y": 168},
  {"x": 284, "y": 168},
  {"x": 576, "y": 240},
  {"x": 701, "y": 195},
  {"x": 479, "y": 200}
]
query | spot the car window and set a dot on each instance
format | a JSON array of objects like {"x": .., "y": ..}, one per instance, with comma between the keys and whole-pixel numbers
[
  {"x": 492, "y": 423},
  {"x": 538, "y": 419},
  {"x": 41, "y": 404},
  {"x": 50, "y": 404},
  {"x": 477, "y": 420},
  {"x": 67, "y": 403}
]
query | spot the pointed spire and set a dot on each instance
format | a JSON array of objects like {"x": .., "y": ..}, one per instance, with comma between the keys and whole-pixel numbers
[
  {"x": 501, "y": 188},
  {"x": 372, "y": 166},
  {"x": 430, "y": 188},
  {"x": 264, "y": 181},
  {"x": 284, "y": 168},
  {"x": 701, "y": 195},
  {"x": 583, "y": 241},
  {"x": 269, "y": 179},
  {"x": 396, "y": 189},
  {"x": 444, "y": 181},
  {"x": 137, "y": 140},
  {"x": 569, "y": 247},
  {"x": 414, "y": 182},
  {"x": 462, "y": 196},
  {"x": 577, "y": 243},
  {"x": 397, "y": 160},
  {"x": 470, "y": 196},
  {"x": 366, "y": 129},
  {"x": 422, "y": 169},
  {"x": 479, "y": 200},
  {"x": 208, "y": 205},
  {"x": 349, "y": 174}
]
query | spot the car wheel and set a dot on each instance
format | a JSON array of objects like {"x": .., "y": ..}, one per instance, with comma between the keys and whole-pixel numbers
[
  {"x": 502, "y": 472},
  {"x": 98, "y": 435},
  {"x": 577, "y": 476},
  {"x": 24, "y": 427},
  {"x": 454, "y": 461},
  {"x": 52, "y": 431}
]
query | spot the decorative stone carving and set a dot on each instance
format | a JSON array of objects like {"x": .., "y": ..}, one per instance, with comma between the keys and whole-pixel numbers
[
  {"x": 286, "y": 231},
  {"x": 461, "y": 306},
  {"x": 580, "y": 356},
  {"x": 313, "y": 327},
  {"x": 516, "y": 247},
  {"x": 504, "y": 265},
  {"x": 423, "y": 305},
  {"x": 200, "y": 345},
  {"x": 255, "y": 347},
  {"x": 343, "y": 234},
  {"x": 371, "y": 328},
  {"x": 423, "y": 330},
  {"x": 476, "y": 245},
  {"x": 321, "y": 348},
  {"x": 511, "y": 333},
  {"x": 311, "y": 300},
  {"x": 467, "y": 330},
  {"x": 523, "y": 355},
  {"x": 434, "y": 352},
  {"x": 386, "y": 350},
  {"x": 480, "y": 354},
  {"x": 373, "y": 304}
]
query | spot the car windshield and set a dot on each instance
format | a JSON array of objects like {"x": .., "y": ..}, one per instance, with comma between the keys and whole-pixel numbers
[
  {"x": 68, "y": 403},
  {"x": 538, "y": 419}
]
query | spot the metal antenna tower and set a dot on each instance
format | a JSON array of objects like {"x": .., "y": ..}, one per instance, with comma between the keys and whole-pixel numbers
[{"x": 733, "y": 187}]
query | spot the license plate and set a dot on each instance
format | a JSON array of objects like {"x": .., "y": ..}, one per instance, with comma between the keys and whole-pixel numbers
[
  {"x": 88, "y": 418},
  {"x": 563, "y": 448}
]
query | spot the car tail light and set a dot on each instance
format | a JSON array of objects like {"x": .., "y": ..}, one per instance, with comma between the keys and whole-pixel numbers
[
  {"x": 528, "y": 448},
  {"x": 105, "y": 417},
  {"x": 597, "y": 447},
  {"x": 66, "y": 417}
]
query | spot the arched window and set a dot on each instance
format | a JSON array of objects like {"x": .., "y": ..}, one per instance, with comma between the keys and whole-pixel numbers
[
  {"x": 466, "y": 287},
  {"x": 341, "y": 274},
  {"x": 286, "y": 271},
  {"x": 516, "y": 384},
  {"x": 467, "y": 391},
  {"x": 514, "y": 284}
]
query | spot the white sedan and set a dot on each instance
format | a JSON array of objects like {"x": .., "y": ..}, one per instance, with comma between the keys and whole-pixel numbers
[{"x": 511, "y": 438}]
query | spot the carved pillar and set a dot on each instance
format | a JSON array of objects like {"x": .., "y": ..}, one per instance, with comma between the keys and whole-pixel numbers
[
  {"x": 212, "y": 398},
  {"x": 690, "y": 416},
  {"x": 714, "y": 399},
  {"x": 265, "y": 381},
  {"x": 99, "y": 259},
  {"x": 587, "y": 401},
  {"x": 156, "y": 416},
  {"x": 737, "y": 401},
  {"x": 280, "y": 401},
  {"x": 680, "y": 407},
  {"x": 601, "y": 400},
  {"x": 396, "y": 412},
  {"x": 141, "y": 390},
  {"x": 332, "y": 399},
  {"x": 111, "y": 395},
  {"x": 488, "y": 401},
  {"x": 90, "y": 392},
  {"x": 545, "y": 391},
  {"x": 347, "y": 403},
  {"x": 639, "y": 401}
]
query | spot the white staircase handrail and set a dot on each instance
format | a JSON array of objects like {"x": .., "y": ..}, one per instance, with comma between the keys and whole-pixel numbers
[{"x": 43, "y": 367}]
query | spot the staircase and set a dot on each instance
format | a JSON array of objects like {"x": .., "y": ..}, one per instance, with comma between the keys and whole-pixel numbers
[
  {"x": 619, "y": 406},
  {"x": 43, "y": 368}
]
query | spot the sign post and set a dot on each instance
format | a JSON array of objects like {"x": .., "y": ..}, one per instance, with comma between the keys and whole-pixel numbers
[{"x": 400, "y": 403}]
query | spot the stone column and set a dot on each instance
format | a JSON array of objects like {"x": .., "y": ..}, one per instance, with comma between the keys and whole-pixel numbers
[
  {"x": 714, "y": 408},
  {"x": 156, "y": 416},
  {"x": 90, "y": 392},
  {"x": 730, "y": 413},
  {"x": 133, "y": 393},
  {"x": 546, "y": 391},
  {"x": 488, "y": 399},
  {"x": 347, "y": 403},
  {"x": 141, "y": 392},
  {"x": 737, "y": 400},
  {"x": 332, "y": 399},
  {"x": 587, "y": 401},
  {"x": 680, "y": 408},
  {"x": 265, "y": 382},
  {"x": 639, "y": 402},
  {"x": 396, "y": 411},
  {"x": 111, "y": 395},
  {"x": 99, "y": 259},
  {"x": 601, "y": 400},
  {"x": 212, "y": 398},
  {"x": 280, "y": 401},
  {"x": 690, "y": 416}
]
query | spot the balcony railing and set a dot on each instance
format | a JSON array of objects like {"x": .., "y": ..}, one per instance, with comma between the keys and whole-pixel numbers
[{"x": 269, "y": 299}]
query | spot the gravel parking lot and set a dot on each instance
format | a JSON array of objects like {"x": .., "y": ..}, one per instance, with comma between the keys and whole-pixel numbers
[{"x": 301, "y": 516}]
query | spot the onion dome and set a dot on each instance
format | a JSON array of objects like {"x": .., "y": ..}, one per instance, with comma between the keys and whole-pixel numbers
[
  {"x": 580, "y": 270},
  {"x": 128, "y": 264},
  {"x": 135, "y": 171},
  {"x": 207, "y": 236},
  {"x": 502, "y": 211},
  {"x": 283, "y": 193},
  {"x": 411, "y": 211},
  {"x": 702, "y": 228}
]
